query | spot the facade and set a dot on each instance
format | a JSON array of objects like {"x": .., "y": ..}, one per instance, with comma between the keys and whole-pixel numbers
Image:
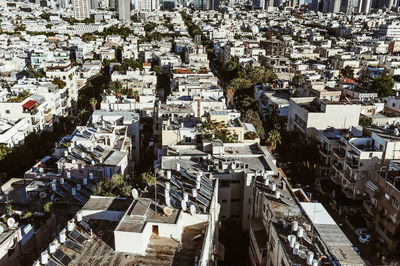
[
  {"x": 81, "y": 9},
  {"x": 306, "y": 113},
  {"x": 123, "y": 8}
]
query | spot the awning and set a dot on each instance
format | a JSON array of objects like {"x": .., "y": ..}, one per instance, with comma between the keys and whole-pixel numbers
[{"x": 29, "y": 104}]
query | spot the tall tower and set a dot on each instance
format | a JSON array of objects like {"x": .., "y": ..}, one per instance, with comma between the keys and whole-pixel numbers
[
  {"x": 123, "y": 9},
  {"x": 364, "y": 6},
  {"x": 81, "y": 9}
]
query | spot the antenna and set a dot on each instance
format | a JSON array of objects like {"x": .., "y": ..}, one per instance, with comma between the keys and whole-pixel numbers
[{"x": 135, "y": 193}]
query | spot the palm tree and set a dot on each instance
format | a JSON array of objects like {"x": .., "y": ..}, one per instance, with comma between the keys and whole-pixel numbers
[
  {"x": 273, "y": 139},
  {"x": 93, "y": 102}
]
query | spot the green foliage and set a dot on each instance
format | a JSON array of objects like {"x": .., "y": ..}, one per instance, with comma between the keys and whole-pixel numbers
[
  {"x": 239, "y": 84},
  {"x": 20, "y": 97},
  {"x": 273, "y": 139},
  {"x": 158, "y": 70},
  {"x": 35, "y": 73},
  {"x": 45, "y": 16},
  {"x": 27, "y": 215},
  {"x": 148, "y": 178},
  {"x": 149, "y": 27},
  {"x": 365, "y": 121},
  {"x": 217, "y": 130},
  {"x": 113, "y": 187},
  {"x": 93, "y": 103},
  {"x": 9, "y": 208},
  {"x": 47, "y": 206},
  {"x": 61, "y": 84},
  {"x": 260, "y": 75},
  {"x": 131, "y": 63},
  {"x": 4, "y": 150},
  {"x": 383, "y": 85},
  {"x": 348, "y": 72},
  {"x": 251, "y": 116},
  {"x": 230, "y": 70}
]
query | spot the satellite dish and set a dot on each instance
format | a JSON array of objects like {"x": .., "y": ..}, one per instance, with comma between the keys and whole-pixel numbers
[
  {"x": 1, "y": 229},
  {"x": 192, "y": 209},
  {"x": 54, "y": 181},
  {"x": 42, "y": 195},
  {"x": 167, "y": 211},
  {"x": 183, "y": 205},
  {"x": 11, "y": 222},
  {"x": 41, "y": 170},
  {"x": 135, "y": 193}
]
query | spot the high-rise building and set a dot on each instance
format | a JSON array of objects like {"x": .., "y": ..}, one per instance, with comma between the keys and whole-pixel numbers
[
  {"x": 111, "y": 4},
  {"x": 347, "y": 6},
  {"x": 259, "y": 4},
  {"x": 123, "y": 9},
  {"x": 317, "y": 5},
  {"x": 146, "y": 5},
  {"x": 94, "y": 4},
  {"x": 331, "y": 6},
  {"x": 81, "y": 9},
  {"x": 364, "y": 6}
]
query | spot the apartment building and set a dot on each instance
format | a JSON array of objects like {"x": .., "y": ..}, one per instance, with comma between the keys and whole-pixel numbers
[
  {"x": 308, "y": 112},
  {"x": 284, "y": 229},
  {"x": 233, "y": 164},
  {"x": 382, "y": 205}
]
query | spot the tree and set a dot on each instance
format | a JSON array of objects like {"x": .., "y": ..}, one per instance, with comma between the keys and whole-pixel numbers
[
  {"x": 273, "y": 139},
  {"x": 217, "y": 130},
  {"x": 234, "y": 86},
  {"x": 158, "y": 70},
  {"x": 47, "y": 206},
  {"x": 93, "y": 102},
  {"x": 253, "y": 117},
  {"x": 113, "y": 187},
  {"x": 4, "y": 150},
  {"x": 348, "y": 72},
  {"x": 260, "y": 75},
  {"x": 383, "y": 85},
  {"x": 148, "y": 178}
]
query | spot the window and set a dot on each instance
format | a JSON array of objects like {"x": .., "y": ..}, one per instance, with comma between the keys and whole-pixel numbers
[
  {"x": 393, "y": 104},
  {"x": 224, "y": 201},
  {"x": 235, "y": 181},
  {"x": 224, "y": 183},
  {"x": 8, "y": 111},
  {"x": 235, "y": 200},
  {"x": 249, "y": 200},
  {"x": 370, "y": 155}
]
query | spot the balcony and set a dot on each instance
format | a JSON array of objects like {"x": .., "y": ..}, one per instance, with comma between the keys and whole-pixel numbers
[
  {"x": 339, "y": 153},
  {"x": 352, "y": 163},
  {"x": 336, "y": 179},
  {"x": 325, "y": 152},
  {"x": 338, "y": 166},
  {"x": 369, "y": 207}
]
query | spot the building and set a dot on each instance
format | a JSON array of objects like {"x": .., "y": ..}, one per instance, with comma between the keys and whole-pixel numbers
[
  {"x": 284, "y": 229},
  {"x": 81, "y": 9},
  {"x": 309, "y": 112},
  {"x": 123, "y": 8},
  {"x": 181, "y": 228}
]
